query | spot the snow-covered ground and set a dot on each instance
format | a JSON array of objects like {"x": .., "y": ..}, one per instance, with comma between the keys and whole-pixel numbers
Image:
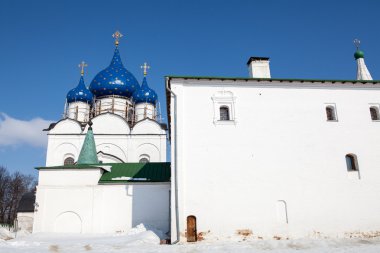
[{"x": 140, "y": 240}]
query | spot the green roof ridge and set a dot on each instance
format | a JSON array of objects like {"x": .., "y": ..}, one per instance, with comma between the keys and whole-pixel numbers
[
  {"x": 88, "y": 154},
  {"x": 273, "y": 79}
]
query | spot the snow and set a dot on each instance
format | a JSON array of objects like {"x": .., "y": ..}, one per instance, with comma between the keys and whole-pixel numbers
[{"x": 142, "y": 239}]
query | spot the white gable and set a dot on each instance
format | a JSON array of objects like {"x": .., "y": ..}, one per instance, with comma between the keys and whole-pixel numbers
[
  {"x": 108, "y": 123},
  {"x": 66, "y": 126},
  {"x": 147, "y": 126}
]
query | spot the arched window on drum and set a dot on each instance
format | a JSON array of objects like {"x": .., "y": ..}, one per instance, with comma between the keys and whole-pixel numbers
[{"x": 68, "y": 161}]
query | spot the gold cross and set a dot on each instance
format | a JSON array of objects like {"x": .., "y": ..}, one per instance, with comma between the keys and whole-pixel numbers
[
  {"x": 82, "y": 65},
  {"x": 117, "y": 35},
  {"x": 145, "y": 67}
]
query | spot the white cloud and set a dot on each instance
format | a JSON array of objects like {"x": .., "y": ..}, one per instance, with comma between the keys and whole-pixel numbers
[{"x": 14, "y": 132}]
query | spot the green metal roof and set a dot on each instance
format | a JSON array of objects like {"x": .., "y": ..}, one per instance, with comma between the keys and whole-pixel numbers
[
  {"x": 137, "y": 172},
  {"x": 275, "y": 79},
  {"x": 88, "y": 153},
  {"x": 126, "y": 172}
]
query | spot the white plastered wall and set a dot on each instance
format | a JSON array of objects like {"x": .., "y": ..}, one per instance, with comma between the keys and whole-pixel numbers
[
  {"x": 280, "y": 150},
  {"x": 71, "y": 201},
  {"x": 25, "y": 221}
]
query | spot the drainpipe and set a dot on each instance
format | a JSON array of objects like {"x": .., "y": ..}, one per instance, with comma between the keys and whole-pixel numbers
[{"x": 175, "y": 157}]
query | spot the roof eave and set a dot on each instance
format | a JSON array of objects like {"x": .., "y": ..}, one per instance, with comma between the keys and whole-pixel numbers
[{"x": 271, "y": 79}]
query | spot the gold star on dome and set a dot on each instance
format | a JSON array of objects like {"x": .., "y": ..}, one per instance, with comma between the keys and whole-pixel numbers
[{"x": 117, "y": 35}]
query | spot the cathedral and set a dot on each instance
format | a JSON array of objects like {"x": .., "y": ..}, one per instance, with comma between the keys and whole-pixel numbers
[
  {"x": 254, "y": 156},
  {"x": 106, "y": 168}
]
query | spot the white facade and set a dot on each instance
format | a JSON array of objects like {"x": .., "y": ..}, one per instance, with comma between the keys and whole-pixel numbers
[
  {"x": 115, "y": 140},
  {"x": 72, "y": 201},
  {"x": 106, "y": 167},
  {"x": 277, "y": 167}
]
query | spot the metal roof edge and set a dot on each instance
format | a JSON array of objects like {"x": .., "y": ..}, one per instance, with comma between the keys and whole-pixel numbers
[
  {"x": 273, "y": 79},
  {"x": 68, "y": 167},
  {"x": 90, "y": 166},
  {"x": 130, "y": 181}
]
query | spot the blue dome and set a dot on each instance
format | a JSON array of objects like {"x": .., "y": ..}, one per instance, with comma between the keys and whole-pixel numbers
[
  {"x": 145, "y": 94},
  {"x": 80, "y": 93},
  {"x": 114, "y": 80}
]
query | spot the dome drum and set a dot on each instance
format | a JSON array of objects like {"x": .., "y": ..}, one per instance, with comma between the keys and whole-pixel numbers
[
  {"x": 79, "y": 111},
  {"x": 145, "y": 110},
  {"x": 112, "y": 96},
  {"x": 114, "y": 104}
]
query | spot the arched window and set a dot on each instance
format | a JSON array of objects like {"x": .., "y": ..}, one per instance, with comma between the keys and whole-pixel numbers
[
  {"x": 351, "y": 162},
  {"x": 224, "y": 113},
  {"x": 68, "y": 161},
  {"x": 330, "y": 113},
  {"x": 144, "y": 160},
  {"x": 374, "y": 112}
]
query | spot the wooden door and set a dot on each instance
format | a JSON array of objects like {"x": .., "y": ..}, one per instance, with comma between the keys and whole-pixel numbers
[{"x": 191, "y": 228}]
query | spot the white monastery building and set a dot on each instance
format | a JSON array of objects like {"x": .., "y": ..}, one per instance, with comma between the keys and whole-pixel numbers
[
  {"x": 274, "y": 157},
  {"x": 260, "y": 156}
]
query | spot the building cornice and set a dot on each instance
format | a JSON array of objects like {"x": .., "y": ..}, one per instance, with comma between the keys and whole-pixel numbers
[{"x": 290, "y": 80}]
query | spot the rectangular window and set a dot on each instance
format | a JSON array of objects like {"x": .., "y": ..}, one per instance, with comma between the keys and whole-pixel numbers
[{"x": 224, "y": 113}]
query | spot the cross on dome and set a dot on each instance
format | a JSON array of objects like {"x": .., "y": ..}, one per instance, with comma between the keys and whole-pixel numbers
[
  {"x": 82, "y": 65},
  {"x": 357, "y": 43},
  {"x": 145, "y": 67},
  {"x": 117, "y": 35}
]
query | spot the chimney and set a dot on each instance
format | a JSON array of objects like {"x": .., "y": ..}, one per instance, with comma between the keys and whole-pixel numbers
[{"x": 258, "y": 67}]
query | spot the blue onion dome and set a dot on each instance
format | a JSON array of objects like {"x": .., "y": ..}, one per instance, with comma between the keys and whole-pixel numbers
[
  {"x": 80, "y": 93},
  {"x": 114, "y": 80},
  {"x": 145, "y": 94}
]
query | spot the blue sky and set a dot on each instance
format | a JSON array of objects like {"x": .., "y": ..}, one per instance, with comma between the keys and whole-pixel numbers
[{"x": 42, "y": 43}]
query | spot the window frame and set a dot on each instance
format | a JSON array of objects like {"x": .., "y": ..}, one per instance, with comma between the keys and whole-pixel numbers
[
  {"x": 332, "y": 107},
  {"x": 68, "y": 164},
  {"x": 376, "y": 107},
  {"x": 227, "y": 110},
  {"x": 353, "y": 162},
  {"x": 224, "y": 99}
]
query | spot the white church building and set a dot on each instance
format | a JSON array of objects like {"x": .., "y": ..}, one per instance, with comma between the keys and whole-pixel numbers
[
  {"x": 274, "y": 158},
  {"x": 256, "y": 156},
  {"x": 106, "y": 168}
]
